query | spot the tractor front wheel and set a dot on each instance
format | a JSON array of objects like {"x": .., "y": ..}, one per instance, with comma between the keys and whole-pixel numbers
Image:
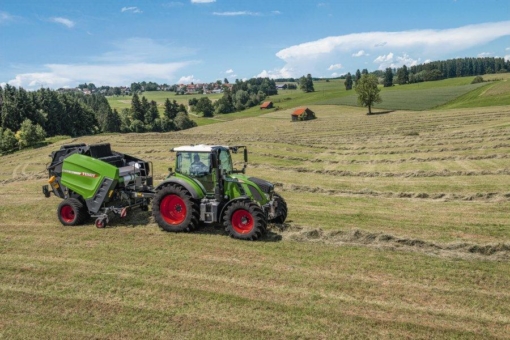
[
  {"x": 245, "y": 220},
  {"x": 281, "y": 210},
  {"x": 175, "y": 210},
  {"x": 71, "y": 212}
]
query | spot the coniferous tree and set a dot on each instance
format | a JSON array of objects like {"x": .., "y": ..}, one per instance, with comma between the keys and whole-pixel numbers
[
  {"x": 348, "y": 81},
  {"x": 136, "y": 108},
  {"x": 388, "y": 77}
]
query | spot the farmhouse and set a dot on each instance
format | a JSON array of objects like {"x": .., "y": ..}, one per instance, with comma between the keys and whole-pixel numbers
[
  {"x": 302, "y": 113},
  {"x": 266, "y": 105}
]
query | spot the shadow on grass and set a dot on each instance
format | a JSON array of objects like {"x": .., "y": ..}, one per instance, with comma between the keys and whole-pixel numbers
[
  {"x": 219, "y": 230},
  {"x": 380, "y": 113}
]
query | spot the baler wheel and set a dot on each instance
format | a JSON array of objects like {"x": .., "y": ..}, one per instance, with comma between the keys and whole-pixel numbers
[
  {"x": 281, "y": 209},
  {"x": 71, "y": 212},
  {"x": 245, "y": 220},
  {"x": 175, "y": 210}
]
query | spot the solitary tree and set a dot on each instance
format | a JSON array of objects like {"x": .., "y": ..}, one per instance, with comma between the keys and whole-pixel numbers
[
  {"x": 306, "y": 83},
  {"x": 368, "y": 92},
  {"x": 348, "y": 81}
]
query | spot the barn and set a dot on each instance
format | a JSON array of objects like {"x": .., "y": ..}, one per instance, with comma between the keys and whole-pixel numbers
[
  {"x": 266, "y": 105},
  {"x": 302, "y": 113}
]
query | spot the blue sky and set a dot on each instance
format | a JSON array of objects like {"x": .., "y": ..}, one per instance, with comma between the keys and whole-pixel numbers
[{"x": 62, "y": 43}]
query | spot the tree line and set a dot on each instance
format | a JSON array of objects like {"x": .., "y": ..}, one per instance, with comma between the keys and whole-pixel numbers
[
  {"x": 28, "y": 117},
  {"x": 242, "y": 95},
  {"x": 143, "y": 116}
]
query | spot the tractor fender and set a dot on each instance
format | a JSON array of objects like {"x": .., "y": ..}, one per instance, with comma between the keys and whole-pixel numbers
[
  {"x": 180, "y": 182},
  {"x": 242, "y": 198}
]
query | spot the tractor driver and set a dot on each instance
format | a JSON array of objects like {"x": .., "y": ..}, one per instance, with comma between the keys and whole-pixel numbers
[{"x": 198, "y": 168}]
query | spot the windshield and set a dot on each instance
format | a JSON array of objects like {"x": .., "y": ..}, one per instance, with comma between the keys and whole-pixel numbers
[{"x": 195, "y": 164}]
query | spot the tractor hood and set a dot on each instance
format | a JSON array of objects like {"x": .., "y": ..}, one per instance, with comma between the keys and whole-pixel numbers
[{"x": 264, "y": 186}]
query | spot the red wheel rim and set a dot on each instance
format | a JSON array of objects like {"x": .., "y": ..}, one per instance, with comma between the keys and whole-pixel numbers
[
  {"x": 173, "y": 209},
  {"x": 67, "y": 213},
  {"x": 242, "y": 221}
]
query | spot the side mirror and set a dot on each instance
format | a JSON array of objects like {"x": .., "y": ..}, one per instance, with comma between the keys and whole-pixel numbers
[{"x": 246, "y": 155}]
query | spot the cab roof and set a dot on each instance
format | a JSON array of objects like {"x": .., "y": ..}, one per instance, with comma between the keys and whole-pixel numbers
[{"x": 199, "y": 148}]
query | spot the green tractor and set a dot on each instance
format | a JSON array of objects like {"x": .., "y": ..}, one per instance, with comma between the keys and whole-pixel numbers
[{"x": 206, "y": 188}]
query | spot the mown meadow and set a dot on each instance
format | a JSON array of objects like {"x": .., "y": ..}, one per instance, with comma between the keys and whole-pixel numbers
[{"x": 398, "y": 228}]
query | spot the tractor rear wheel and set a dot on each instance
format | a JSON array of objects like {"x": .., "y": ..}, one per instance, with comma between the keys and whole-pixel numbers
[
  {"x": 245, "y": 220},
  {"x": 281, "y": 210},
  {"x": 71, "y": 212},
  {"x": 175, "y": 210}
]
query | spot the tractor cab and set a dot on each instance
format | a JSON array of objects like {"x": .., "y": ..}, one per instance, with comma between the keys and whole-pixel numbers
[{"x": 207, "y": 164}]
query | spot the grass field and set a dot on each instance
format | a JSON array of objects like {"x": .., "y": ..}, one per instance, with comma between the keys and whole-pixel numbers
[{"x": 398, "y": 228}]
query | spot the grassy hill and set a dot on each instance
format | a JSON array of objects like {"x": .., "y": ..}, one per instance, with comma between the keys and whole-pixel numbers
[
  {"x": 398, "y": 227},
  {"x": 444, "y": 94}
]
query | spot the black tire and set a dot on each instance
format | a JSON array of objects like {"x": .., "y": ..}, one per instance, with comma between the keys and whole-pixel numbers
[
  {"x": 175, "y": 210},
  {"x": 71, "y": 212},
  {"x": 281, "y": 210},
  {"x": 245, "y": 220}
]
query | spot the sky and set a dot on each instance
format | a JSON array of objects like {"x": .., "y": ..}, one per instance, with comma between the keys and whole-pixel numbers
[{"x": 63, "y": 43}]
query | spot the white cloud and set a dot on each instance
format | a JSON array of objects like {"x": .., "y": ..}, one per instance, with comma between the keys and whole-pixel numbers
[
  {"x": 69, "y": 75},
  {"x": 446, "y": 40},
  {"x": 5, "y": 17},
  {"x": 64, "y": 21},
  {"x": 507, "y": 49},
  {"x": 276, "y": 12},
  {"x": 507, "y": 57},
  {"x": 239, "y": 13},
  {"x": 202, "y": 1},
  {"x": 284, "y": 72},
  {"x": 384, "y": 58},
  {"x": 173, "y": 4},
  {"x": 132, "y": 9},
  {"x": 229, "y": 71},
  {"x": 390, "y": 60},
  {"x": 360, "y": 53},
  {"x": 335, "y": 67},
  {"x": 188, "y": 80},
  {"x": 484, "y": 54}
]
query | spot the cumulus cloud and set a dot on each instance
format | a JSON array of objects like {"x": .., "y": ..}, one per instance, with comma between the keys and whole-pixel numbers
[
  {"x": 69, "y": 75},
  {"x": 202, "y": 1},
  {"x": 384, "y": 58},
  {"x": 188, "y": 80},
  {"x": 360, "y": 53},
  {"x": 284, "y": 72},
  {"x": 484, "y": 54},
  {"x": 390, "y": 60},
  {"x": 335, "y": 67},
  {"x": 392, "y": 48},
  {"x": 507, "y": 57},
  {"x": 229, "y": 71},
  {"x": 454, "y": 39},
  {"x": 238, "y": 13},
  {"x": 131, "y": 9},
  {"x": 63, "y": 21}
]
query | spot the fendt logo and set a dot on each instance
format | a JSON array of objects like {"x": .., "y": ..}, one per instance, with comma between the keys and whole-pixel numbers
[{"x": 84, "y": 174}]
